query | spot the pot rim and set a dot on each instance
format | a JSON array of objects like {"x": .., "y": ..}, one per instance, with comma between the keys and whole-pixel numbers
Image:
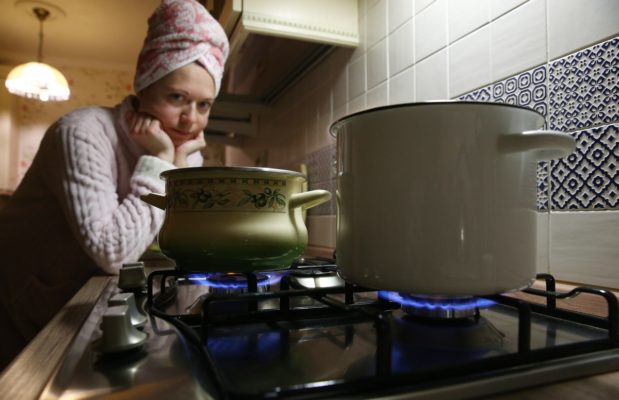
[
  {"x": 334, "y": 126},
  {"x": 199, "y": 170}
]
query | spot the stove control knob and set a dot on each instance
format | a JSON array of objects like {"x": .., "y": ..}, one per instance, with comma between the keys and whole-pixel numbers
[
  {"x": 118, "y": 333},
  {"x": 128, "y": 299},
  {"x": 132, "y": 277}
]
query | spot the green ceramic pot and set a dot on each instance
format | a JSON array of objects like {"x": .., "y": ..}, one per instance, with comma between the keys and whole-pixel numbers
[{"x": 241, "y": 219}]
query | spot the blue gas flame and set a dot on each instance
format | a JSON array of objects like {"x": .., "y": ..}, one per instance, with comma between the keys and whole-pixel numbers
[
  {"x": 203, "y": 279},
  {"x": 433, "y": 304}
]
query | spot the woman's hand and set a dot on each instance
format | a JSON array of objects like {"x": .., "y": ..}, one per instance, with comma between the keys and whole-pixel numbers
[
  {"x": 146, "y": 131},
  {"x": 187, "y": 148}
]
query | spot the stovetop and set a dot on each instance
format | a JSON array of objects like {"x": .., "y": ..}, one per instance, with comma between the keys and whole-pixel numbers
[{"x": 305, "y": 333}]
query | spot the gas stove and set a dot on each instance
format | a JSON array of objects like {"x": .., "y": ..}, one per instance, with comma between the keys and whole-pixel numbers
[{"x": 306, "y": 333}]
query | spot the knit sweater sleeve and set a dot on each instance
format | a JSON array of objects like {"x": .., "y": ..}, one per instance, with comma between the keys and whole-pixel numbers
[{"x": 111, "y": 230}]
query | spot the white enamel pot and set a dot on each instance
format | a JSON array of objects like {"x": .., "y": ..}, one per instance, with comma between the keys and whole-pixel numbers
[
  {"x": 236, "y": 219},
  {"x": 439, "y": 198}
]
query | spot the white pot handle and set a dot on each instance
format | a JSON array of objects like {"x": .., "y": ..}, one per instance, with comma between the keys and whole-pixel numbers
[
  {"x": 546, "y": 144},
  {"x": 309, "y": 199}
]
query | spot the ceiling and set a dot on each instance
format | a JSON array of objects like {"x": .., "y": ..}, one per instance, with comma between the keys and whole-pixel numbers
[{"x": 105, "y": 34}]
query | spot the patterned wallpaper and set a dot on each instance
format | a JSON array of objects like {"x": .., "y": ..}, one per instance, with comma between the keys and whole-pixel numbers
[{"x": 88, "y": 87}]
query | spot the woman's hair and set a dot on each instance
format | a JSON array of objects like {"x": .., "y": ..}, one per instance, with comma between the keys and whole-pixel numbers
[{"x": 181, "y": 32}]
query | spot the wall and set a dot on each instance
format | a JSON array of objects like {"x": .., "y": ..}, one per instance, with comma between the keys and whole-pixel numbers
[
  {"x": 560, "y": 57},
  {"x": 24, "y": 121}
]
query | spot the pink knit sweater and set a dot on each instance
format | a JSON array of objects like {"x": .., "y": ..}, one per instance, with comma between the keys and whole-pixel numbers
[{"x": 76, "y": 212}]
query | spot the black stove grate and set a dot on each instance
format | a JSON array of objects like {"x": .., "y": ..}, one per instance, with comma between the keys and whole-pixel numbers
[{"x": 197, "y": 328}]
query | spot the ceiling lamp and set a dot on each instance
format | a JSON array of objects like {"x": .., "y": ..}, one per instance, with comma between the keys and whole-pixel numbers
[{"x": 36, "y": 80}]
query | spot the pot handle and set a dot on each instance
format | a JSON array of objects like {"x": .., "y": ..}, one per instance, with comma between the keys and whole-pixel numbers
[
  {"x": 154, "y": 199},
  {"x": 546, "y": 144},
  {"x": 309, "y": 199}
]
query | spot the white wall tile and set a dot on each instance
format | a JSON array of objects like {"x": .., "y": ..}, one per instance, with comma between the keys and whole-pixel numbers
[
  {"x": 369, "y": 3},
  {"x": 574, "y": 246},
  {"x": 340, "y": 92},
  {"x": 430, "y": 29},
  {"x": 574, "y": 24},
  {"x": 584, "y": 247},
  {"x": 339, "y": 112},
  {"x": 518, "y": 40},
  {"x": 464, "y": 16},
  {"x": 470, "y": 62},
  {"x": 401, "y": 48},
  {"x": 356, "y": 78},
  {"x": 362, "y": 6},
  {"x": 399, "y": 11},
  {"x": 361, "y": 49},
  {"x": 378, "y": 96},
  {"x": 325, "y": 115},
  {"x": 431, "y": 78},
  {"x": 321, "y": 230},
  {"x": 500, "y": 7},
  {"x": 308, "y": 115},
  {"x": 377, "y": 64},
  {"x": 401, "y": 87},
  {"x": 376, "y": 23},
  {"x": 422, "y": 4},
  {"x": 357, "y": 104}
]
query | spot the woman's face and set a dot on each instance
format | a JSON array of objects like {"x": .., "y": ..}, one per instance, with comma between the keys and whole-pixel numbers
[{"x": 181, "y": 101}]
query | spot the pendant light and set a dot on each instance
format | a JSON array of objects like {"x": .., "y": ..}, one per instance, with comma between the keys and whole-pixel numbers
[{"x": 36, "y": 80}]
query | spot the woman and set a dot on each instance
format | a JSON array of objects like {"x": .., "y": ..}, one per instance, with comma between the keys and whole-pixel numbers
[{"x": 78, "y": 211}]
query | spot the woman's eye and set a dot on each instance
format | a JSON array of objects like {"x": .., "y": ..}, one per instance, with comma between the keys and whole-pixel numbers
[
  {"x": 204, "y": 105},
  {"x": 176, "y": 97}
]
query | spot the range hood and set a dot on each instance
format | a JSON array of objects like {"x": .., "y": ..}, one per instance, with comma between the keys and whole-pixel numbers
[{"x": 273, "y": 43}]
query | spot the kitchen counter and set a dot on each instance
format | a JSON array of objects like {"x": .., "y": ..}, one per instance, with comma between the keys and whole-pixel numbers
[{"x": 27, "y": 376}]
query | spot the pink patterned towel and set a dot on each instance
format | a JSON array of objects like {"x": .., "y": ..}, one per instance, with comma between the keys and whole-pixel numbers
[{"x": 181, "y": 32}]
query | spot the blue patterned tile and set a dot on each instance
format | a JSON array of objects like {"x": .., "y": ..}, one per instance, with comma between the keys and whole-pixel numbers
[
  {"x": 588, "y": 178},
  {"x": 542, "y": 185},
  {"x": 483, "y": 94},
  {"x": 527, "y": 89},
  {"x": 584, "y": 88}
]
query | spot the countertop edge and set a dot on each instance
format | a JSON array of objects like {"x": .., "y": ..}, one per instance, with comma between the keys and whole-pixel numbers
[{"x": 29, "y": 373}]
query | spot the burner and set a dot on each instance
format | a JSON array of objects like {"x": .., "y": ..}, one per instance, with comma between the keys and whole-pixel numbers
[
  {"x": 422, "y": 342},
  {"x": 438, "y": 307},
  {"x": 234, "y": 282},
  {"x": 315, "y": 278},
  {"x": 225, "y": 284}
]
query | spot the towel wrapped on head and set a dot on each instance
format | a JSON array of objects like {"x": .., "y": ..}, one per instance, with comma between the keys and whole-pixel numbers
[{"x": 179, "y": 33}]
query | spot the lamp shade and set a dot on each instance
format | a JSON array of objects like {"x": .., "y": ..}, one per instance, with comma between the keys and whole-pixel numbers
[{"x": 39, "y": 81}]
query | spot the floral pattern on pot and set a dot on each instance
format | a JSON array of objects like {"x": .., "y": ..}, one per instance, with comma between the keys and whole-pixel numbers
[
  {"x": 268, "y": 198},
  {"x": 228, "y": 194}
]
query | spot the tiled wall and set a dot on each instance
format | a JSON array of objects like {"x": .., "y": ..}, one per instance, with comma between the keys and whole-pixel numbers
[{"x": 558, "y": 56}]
